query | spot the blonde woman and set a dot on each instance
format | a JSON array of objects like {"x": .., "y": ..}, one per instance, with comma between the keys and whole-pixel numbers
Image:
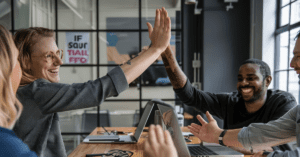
[{"x": 10, "y": 107}]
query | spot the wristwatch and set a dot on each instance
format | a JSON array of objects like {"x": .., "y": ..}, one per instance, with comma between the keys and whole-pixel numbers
[{"x": 221, "y": 138}]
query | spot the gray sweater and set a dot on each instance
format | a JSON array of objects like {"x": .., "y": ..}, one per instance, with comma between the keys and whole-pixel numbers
[
  {"x": 284, "y": 129},
  {"x": 39, "y": 126}
]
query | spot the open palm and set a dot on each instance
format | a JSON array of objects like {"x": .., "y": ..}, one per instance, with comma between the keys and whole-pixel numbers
[
  {"x": 160, "y": 35},
  {"x": 208, "y": 131}
]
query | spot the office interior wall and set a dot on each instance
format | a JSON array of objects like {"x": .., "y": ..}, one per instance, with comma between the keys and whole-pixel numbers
[
  {"x": 223, "y": 40},
  {"x": 256, "y": 29},
  {"x": 226, "y": 39}
]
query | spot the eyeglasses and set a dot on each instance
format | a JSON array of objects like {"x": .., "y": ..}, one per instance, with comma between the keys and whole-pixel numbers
[{"x": 50, "y": 56}]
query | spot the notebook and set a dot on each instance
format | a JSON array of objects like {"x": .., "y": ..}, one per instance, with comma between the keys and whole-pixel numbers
[
  {"x": 194, "y": 150},
  {"x": 123, "y": 138}
]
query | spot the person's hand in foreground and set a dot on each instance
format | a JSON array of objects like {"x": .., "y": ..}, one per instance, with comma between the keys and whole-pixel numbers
[
  {"x": 159, "y": 143},
  {"x": 208, "y": 132}
]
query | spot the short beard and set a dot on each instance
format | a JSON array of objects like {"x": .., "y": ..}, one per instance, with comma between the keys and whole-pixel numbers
[{"x": 257, "y": 96}]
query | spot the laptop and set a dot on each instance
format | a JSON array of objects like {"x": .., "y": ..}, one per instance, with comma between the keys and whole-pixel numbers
[
  {"x": 191, "y": 150},
  {"x": 123, "y": 138}
]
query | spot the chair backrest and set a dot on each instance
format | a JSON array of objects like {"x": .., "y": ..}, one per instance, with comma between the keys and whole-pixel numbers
[{"x": 89, "y": 120}]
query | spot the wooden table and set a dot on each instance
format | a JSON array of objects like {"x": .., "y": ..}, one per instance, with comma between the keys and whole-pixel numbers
[{"x": 84, "y": 148}]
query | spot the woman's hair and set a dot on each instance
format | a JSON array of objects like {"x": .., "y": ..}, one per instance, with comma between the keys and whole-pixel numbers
[
  {"x": 10, "y": 107},
  {"x": 25, "y": 39}
]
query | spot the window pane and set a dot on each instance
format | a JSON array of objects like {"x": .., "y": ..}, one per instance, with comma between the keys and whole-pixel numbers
[
  {"x": 156, "y": 84},
  {"x": 159, "y": 92},
  {"x": 293, "y": 84},
  {"x": 295, "y": 12},
  {"x": 35, "y": 13},
  {"x": 175, "y": 44},
  {"x": 118, "y": 14},
  {"x": 76, "y": 14},
  {"x": 118, "y": 47},
  {"x": 284, "y": 2},
  {"x": 71, "y": 75},
  {"x": 281, "y": 80},
  {"x": 283, "y": 55},
  {"x": 293, "y": 34},
  {"x": 71, "y": 142},
  {"x": 5, "y": 14},
  {"x": 122, "y": 114},
  {"x": 79, "y": 47},
  {"x": 284, "y": 19},
  {"x": 173, "y": 8}
]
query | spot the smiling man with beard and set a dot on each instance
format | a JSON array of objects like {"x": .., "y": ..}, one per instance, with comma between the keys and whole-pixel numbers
[
  {"x": 251, "y": 103},
  {"x": 257, "y": 136}
]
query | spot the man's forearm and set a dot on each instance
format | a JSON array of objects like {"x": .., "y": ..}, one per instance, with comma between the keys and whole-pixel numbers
[
  {"x": 176, "y": 75},
  {"x": 242, "y": 150},
  {"x": 248, "y": 152},
  {"x": 231, "y": 138}
]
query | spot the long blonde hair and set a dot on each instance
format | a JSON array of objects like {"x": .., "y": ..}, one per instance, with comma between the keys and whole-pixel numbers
[
  {"x": 10, "y": 107},
  {"x": 25, "y": 39}
]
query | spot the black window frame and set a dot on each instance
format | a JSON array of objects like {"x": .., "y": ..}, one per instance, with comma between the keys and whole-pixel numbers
[
  {"x": 98, "y": 65},
  {"x": 279, "y": 30}
]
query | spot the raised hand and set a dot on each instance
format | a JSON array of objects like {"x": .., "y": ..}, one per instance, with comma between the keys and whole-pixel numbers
[
  {"x": 160, "y": 35},
  {"x": 208, "y": 132},
  {"x": 159, "y": 143}
]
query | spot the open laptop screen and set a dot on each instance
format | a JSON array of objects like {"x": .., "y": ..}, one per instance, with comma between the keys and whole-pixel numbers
[
  {"x": 170, "y": 119},
  {"x": 143, "y": 120}
]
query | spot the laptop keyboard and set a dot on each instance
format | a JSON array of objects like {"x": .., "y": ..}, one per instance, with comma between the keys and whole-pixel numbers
[{"x": 200, "y": 150}]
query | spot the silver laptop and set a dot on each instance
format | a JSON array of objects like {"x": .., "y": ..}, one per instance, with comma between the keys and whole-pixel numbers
[
  {"x": 123, "y": 138},
  {"x": 195, "y": 150}
]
